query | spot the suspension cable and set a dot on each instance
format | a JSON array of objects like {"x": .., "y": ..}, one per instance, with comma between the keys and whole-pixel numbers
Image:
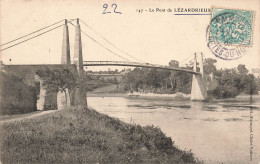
[
  {"x": 186, "y": 59},
  {"x": 110, "y": 42},
  {"x": 30, "y": 38},
  {"x": 34, "y": 36},
  {"x": 31, "y": 33},
  {"x": 100, "y": 44}
]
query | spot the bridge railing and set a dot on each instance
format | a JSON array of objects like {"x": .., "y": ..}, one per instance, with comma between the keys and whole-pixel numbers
[
  {"x": 136, "y": 64},
  {"x": 111, "y": 62},
  {"x": 121, "y": 63}
]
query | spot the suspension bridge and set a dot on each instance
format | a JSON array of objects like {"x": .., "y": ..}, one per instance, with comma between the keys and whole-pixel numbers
[
  {"x": 136, "y": 64},
  {"x": 198, "y": 91}
]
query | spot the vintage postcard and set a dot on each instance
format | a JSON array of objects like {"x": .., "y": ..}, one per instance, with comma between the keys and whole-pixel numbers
[{"x": 143, "y": 81}]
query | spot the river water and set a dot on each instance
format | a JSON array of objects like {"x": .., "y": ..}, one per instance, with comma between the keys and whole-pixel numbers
[{"x": 216, "y": 132}]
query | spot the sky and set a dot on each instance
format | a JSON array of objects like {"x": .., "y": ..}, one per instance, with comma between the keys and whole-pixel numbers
[{"x": 152, "y": 37}]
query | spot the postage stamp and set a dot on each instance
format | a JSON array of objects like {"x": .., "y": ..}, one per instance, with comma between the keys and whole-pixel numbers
[
  {"x": 231, "y": 27},
  {"x": 230, "y": 32}
]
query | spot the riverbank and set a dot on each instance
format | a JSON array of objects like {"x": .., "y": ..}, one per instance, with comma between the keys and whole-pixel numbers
[
  {"x": 176, "y": 96},
  {"x": 111, "y": 91},
  {"x": 105, "y": 92},
  {"x": 86, "y": 136}
]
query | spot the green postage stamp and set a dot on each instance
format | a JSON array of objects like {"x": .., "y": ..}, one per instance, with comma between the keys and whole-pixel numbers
[{"x": 231, "y": 27}]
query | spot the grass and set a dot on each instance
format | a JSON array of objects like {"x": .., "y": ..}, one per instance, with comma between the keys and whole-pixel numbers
[{"x": 86, "y": 136}]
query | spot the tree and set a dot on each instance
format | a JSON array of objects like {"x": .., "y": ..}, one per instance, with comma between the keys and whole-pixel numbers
[
  {"x": 251, "y": 87},
  {"x": 115, "y": 80},
  {"x": 57, "y": 80},
  {"x": 153, "y": 78},
  {"x": 231, "y": 83},
  {"x": 172, "y": 80},
  {"x": 209, "y": 66},
  {"x": 242, "y": 69}
]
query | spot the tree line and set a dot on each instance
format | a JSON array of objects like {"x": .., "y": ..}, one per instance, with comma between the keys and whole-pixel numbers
[
  {"x": 223, "y": 83},
  {"x": 156, "y": 81}
]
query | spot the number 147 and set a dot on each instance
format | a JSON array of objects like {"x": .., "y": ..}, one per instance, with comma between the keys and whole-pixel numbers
[{"x": 113, "y": 6}]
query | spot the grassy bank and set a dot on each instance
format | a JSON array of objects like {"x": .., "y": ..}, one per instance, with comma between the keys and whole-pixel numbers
[{"x": 85, "y": 136}]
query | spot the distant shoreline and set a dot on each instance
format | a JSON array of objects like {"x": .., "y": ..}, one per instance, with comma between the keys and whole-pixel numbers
[
  {"x": 107, "y": 95},
  {"x": 135, "y": 94},
  {"x": 182, "y": 96}
]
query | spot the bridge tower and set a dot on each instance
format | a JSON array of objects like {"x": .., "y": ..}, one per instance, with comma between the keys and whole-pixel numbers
[
  {"x": 65, "y": 60},
  {"x": 80, "y": 94},
  {"x": 198, "y": 90},
  {"x": 65, "y": 57}
]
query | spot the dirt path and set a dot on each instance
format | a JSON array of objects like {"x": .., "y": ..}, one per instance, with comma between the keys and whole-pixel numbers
[{"x": 11, "y": 118}]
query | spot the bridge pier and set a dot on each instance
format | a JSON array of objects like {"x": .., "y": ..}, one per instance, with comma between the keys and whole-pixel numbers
[
  {"x": 80, "y": 92},
  {"x": 198, "y": 90},
  {"x": 42, "y": 96},
  {"x": 63, "y": 100}
]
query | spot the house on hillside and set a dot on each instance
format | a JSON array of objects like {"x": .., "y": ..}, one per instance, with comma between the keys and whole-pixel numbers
[{"x": 174, "y": 63}]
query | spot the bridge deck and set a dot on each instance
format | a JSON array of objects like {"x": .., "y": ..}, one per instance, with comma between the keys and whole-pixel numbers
[{"x": 135, "y": 64}]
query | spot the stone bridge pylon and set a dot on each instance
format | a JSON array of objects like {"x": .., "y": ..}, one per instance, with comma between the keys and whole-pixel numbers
[
  {"x": 199, "y": 85},
  {"x": 78, "y": 94}
]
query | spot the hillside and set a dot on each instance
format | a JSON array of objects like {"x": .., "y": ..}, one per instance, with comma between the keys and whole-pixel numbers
[{"x": 85, "y": 136}]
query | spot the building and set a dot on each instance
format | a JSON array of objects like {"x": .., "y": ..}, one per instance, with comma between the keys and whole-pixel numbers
[{"x": 174, "y": 63}]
